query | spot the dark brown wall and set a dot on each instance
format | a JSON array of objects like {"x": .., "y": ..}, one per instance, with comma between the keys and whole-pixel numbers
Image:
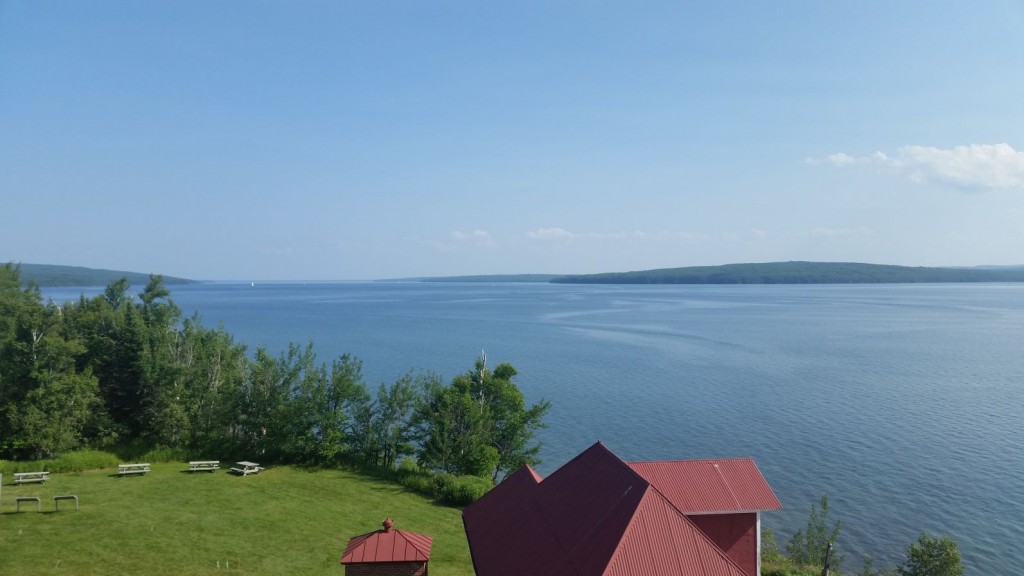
[
  {"x": 387, "y": 569},
  {"x": 736, "y": 534}
]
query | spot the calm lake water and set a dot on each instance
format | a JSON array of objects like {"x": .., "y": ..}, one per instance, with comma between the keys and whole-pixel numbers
[{"x": 904, "y": 403}]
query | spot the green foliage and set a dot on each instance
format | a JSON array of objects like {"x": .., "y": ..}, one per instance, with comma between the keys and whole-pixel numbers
[
  {"x": 480, "y": 425},
  {"x": 769, "y": 547},
  {"x": 788, "y": 570},
  {"x": 125, "y": 372},
  {"x": 808, "y": 546},
  {"x": 931, "y": 556},
  {"x": 70, "y": 462},
  {"x": 164, "y": 454},
  {"x": 460, "y": 490},
  {"x": 422, "y": 484}
]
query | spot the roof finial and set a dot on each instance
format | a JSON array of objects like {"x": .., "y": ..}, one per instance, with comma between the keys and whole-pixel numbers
[{"x": 388, "y": 524}]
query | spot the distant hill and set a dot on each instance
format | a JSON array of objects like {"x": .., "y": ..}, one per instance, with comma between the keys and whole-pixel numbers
[
  {"x": 52, "y": 275},
  {"x": 801, "y": 273}
]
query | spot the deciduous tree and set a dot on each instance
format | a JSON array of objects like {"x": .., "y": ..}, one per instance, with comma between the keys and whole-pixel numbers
[{"x": 931, "y": 556}]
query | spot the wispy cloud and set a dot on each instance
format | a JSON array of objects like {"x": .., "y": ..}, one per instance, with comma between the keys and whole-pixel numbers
[
  {"x": 550, "y": 234},
  {"x": 477, "y": 237},
  {"x": 561, "y": 234},
  {"x": 822, "y": 232},
  {"x": 975, "y": 167}
]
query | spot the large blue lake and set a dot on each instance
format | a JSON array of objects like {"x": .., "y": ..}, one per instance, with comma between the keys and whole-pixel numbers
[{"x": 904, "y": 403}]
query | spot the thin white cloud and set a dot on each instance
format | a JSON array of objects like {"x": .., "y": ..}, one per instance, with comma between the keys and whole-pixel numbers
[
  {"x": 478, "y": 237},
  {"x": 822, "y": 232},
  {"x": 550, "y": 234},
  {"x": 973, "y": 167},
  {"x": 840, "y": 159},
  {"x": 561, "y": 234}
]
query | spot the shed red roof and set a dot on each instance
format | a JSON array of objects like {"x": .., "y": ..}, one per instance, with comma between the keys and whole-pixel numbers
[
  {"x": 710, "y": 486},
  {"x": 593, "y": 516},
  {"x": 387, "y": 545}
]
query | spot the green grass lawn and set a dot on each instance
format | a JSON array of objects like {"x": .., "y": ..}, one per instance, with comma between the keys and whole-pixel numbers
[{"x": 281, "y": 521}]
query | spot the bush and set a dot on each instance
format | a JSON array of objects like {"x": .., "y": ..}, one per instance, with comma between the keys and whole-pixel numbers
[
  {"x": 84, "y": 460},
  {"x": 70, "y": 462},
  {"x": 165, "y": 454},
  {"x": 808, "y": 548},
  {"x": 460, "y": 490},
  {"x": 784, "y": 571},
  {"x": 931, "y": 556},
  {"x": 422, "y": 483}
]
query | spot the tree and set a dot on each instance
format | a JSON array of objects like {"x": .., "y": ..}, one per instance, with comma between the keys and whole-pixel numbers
[
  {"x": 384, "y": 428},
  {"x": 454, "y": 433},
  {"x": 769, "y": 547},
  {"x": 513, "y": 424},
  {"x": 931, "y": 556},
  {"x": 480, "y": 425},
  {"x": 46, "y": 401},
  {"x": 808, "y": 547}
]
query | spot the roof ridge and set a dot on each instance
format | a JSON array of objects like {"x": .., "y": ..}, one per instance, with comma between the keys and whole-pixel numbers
[{"x": 732, "y": 458}]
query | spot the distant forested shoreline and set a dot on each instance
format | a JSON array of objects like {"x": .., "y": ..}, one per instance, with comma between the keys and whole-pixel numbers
[
  {"x": 50, "y": 275},
  {"x": 801, "y": 273},
  {"x": 796, "y": 272}
]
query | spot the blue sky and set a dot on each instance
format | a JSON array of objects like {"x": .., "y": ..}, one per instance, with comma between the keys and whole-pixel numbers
[{"x": 356, "y": 140}]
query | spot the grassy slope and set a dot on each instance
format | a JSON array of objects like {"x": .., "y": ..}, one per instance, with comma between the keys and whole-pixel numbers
[{"x": 281, "y": 521}]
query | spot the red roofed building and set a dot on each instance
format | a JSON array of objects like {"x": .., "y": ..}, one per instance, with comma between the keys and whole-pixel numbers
[
  {"x": 387, "y": 552},
  {"x": 597, "y": 515},
  {"x": 724, "y": 498}
]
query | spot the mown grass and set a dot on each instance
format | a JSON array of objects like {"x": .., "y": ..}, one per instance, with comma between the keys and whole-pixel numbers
[{"x": 281, "y": 521}]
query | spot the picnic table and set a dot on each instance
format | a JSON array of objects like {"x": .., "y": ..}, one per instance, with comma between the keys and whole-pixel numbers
[
  {"x": 246, "y": 468},
  {"x": 26, "y": 477},
  {"x": 203, "y": 465},
  {"x": 136, "y": 468}
]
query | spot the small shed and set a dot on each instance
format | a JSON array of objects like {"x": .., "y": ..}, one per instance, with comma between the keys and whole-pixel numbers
[{"x": 387, "y": 552}]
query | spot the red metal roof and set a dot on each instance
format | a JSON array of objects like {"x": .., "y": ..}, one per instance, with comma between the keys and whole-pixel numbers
[
  {"x": 593, "y": 516},
  {"x": 662, "y": 541},
  {"x": 388, "y": 545},
  {"x": 710, "y": 486}
]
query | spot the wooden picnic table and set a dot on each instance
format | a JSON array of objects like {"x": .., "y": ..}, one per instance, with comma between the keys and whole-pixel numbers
[
  {"x": 204, "y": 465},
  {"x": 26, "y": 477},
  {"x": 135, "y": 468},
  {"x": 245, "y": 468}
]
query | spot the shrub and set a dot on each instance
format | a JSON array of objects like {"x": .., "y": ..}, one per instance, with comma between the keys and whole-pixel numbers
[
  {"x": 165, "y": 454},
  {"x": 70, "y": 462},
  {"x": 808, "y": 547},
  {"x": 460, "y": 490},
  {"x": 931, "y": 556},
  {"x": 84, "y": 460},
  {"x": 422, "y": 483}
]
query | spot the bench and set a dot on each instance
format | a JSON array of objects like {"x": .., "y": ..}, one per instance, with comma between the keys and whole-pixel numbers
[
  {"x": 57, "y": 499},
  {"x": 246, "y": 468},
  {"x": 204, "y": 466},
  {"x": 20, "y": 499},
  {"x": 127, "y": 469},
  {"x": 26, "y": 477}
]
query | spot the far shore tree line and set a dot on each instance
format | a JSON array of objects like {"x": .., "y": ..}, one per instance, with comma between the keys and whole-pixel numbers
[{"x": 125, "y": 373}]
